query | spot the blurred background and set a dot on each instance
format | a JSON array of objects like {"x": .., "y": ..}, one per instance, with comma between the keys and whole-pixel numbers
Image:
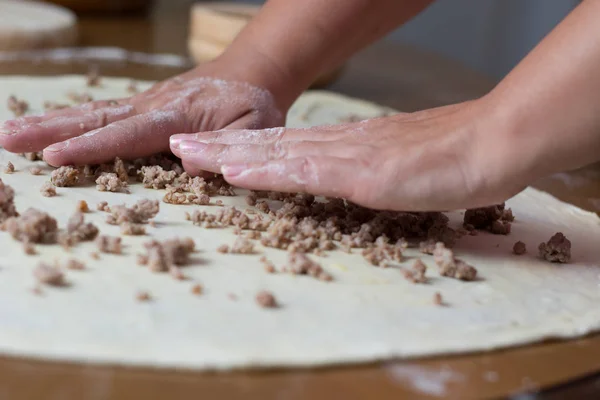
[{"x": 490, "y": 36}]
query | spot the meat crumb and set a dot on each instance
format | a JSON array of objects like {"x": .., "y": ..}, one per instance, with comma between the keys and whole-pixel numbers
[
  {"x": 7, "y": 202},
  {"x": 161, "y": 256},
  {"x": 82, "y": 206},
  {"x": 33, "y": 226},
  {"x": 48, "y": 190},
  {"x": 140, "y": 213},
  {"x": 75, "y": 264},
  {"x": 437, "y": 299},
  {"x": 35, "y": 171},
  {"x": 451, "y": 267},
  {"x": 143, "y": 296},
  {"x": 81, "y": 230},
  {"x": 176, "y": 273},
  {"x": 29, "y": 248},
  {"x": 80, "y": 98},
  {"x": 49, "y": 274},
  {"x": 109, "y": 244},
  {"x": 266, "y": 299},
  {"x": 557, "y": 249},
  {"x": 128, "y": 228},
  {"x": 417, "y": 272},
  {"x": 300, "y": 264},
  {"x": 103, "y": 206},
  {"x": 53, "y": 106},
  {"x": 519, "y": 248},
  {"x": 242, "y": 246},
  {"x": 110, "y": 182},
  {"x": 197, "y": 289},
  {"x": 10, "y": 168},
  {"x": 17, "y": 107},
  {"x": 93, "y": 77},
  {"x": 94, "y": 255},
  {"x": 223, "y": 249},
  {"x": 66, "y": 176},
  {"x": 132, "y": 88}
]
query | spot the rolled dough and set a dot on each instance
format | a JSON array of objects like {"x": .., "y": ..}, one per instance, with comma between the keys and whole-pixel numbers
[
  {"x": 26, "y": 25},
  {"x": 365, "y": 314}
]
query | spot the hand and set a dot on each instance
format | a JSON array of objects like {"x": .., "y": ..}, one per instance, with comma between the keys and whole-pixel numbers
[
  {"x": 433, "y": 160},
  {"x": 141, "y": 125}
]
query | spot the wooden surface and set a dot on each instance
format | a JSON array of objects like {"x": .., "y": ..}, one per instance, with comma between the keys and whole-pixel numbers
[{"x": 393, "y": 75}]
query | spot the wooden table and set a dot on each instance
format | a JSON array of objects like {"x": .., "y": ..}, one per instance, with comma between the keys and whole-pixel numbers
[{"x": 391, "y": 74}]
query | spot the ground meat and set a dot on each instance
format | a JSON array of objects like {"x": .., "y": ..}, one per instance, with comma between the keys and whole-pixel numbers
[
  {"x": 300, "y": 264},
  {"x": 266, "y": 299},
  {"x": 251, "y": 199},
  {"x": 557, "y": 249},
  {"x": 223, "y": 249},
  {"x": 268, "y": 265},
  {"x": 140, "y": 213},
  {"x": 163, "y": 255},
  {"x": 94, "y": 255},
  {"x": 127, "y": 228},
  {"x": 507, "y": 215},
  {"x": 519, "y": 248},
  {"x": 437, "y": 299},
  {"x": 109, "y": 244},
  {"x": 132, "y": 88},
  {"x": 110, "y": 182},
  {"x": 7, "y": 202},
  {"x": 35, "y": 156},
  {"x": 143, "y": 296},
  {"x": 48, "y": 190},
  {"x": 500, "y": 227},
  {"x": 29, "y": 248},
  {"x": 102, "y": 206},
  {"x": 242, "y": 246},
  {"x": 263, "y": 206},
  {"x": 33, "y": 226},
  {"x": 35, "y": 171},
  {"x": 176, "y": 273},
  {"x": 427, "y": 247},
  {"x": 53, "y": 106},
  {"x": 75, "y": 264},
  {"x": 80, "y": 230},
  {"x": 10, "y": 168},
  {"x": 482, "y": 218},
  {"x": 121, "y": 170},
  {"x": 452, "y": 267},
  {"x": 49, "y": 275},
  {"x": 93, "y": 77},
  {"x": 417, "y": 272},
  {"x": 155, "y": 177},
  {"x": 16, "y": 106},
  {"x": 82, "y": 206},
  {"x": 65, "y": 176},
  {"x": 197, "y": 289},
  {"x": 80, "y": 98}
]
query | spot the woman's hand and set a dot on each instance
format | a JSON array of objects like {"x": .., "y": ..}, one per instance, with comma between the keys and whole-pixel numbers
[
  {"x": 446, "y": 158},
  {"x": 200, "y": 100}
]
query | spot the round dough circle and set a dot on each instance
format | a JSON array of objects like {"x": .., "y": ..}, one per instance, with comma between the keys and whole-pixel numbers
[
  {"x": 365, "y": 314},
  {"x": 26, "y": 25}
]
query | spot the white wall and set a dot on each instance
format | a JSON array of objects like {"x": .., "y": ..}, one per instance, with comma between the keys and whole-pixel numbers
[{"x": 488, "y": 35}]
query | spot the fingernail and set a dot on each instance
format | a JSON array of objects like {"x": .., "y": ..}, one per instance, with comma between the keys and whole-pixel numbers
[
  {"x": 4, "y": 130},
  {"x": 191, "y": 147},
  {"x": 57, "y": 147},
  {"x": 232, "y": 171},
  {"x": 175, "y": 140}
]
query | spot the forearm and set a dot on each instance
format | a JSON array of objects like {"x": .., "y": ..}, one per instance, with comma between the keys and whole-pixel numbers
[
  {"x": 550, "y": 104},
  {"x": 290, "y": 43}
]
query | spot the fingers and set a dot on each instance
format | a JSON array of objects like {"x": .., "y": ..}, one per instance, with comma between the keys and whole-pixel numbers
[
  {"x": 33, "y": 133},
  {"x": 138, "y": 136},
  {"x": 262, "y": 136},
  {"x": 211, "y": 157},
  {"x": 318, "y": 175}
]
